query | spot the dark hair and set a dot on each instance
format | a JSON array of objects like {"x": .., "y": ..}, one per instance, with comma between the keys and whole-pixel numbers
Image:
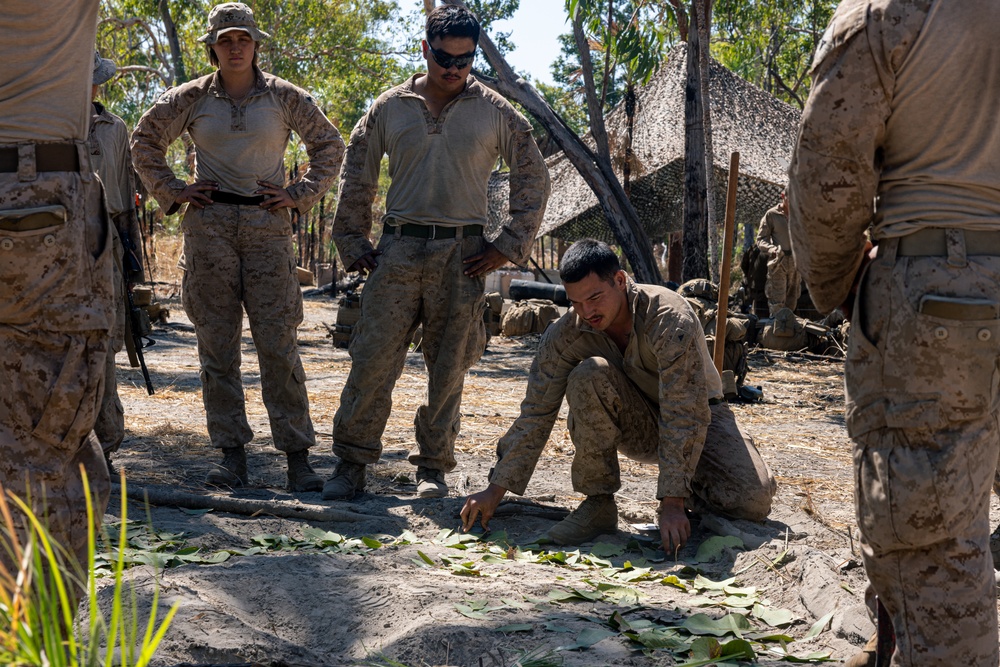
[
  {"x": 452, "y": 21},
  {"x": 588, "y": 256},
  {"x": 214, "y": 59}
]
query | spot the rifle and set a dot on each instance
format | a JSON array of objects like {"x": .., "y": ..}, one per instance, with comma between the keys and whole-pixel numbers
[{"x": 137, "y": 324}]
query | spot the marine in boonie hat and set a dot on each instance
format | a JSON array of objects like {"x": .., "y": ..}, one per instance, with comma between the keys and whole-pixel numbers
[
  {"x": 231, "y": 16},
  {"x": 104, "y": 69}
]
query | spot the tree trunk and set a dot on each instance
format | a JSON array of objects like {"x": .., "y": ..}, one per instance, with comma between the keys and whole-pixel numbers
[
  {"x": 180, "y": 75},
  {"x": 597, "y": 172},
  {"x": 595, "y": 105},
  {"x": 695, "y": 195},
  {"x": 714, "y": 224}
]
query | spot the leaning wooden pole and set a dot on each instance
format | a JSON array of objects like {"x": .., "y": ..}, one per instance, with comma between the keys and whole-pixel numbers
[{"x": 727, "y": 260}]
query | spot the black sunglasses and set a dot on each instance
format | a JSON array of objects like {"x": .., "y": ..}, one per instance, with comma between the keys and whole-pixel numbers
[{"x": 447, "y": 61}]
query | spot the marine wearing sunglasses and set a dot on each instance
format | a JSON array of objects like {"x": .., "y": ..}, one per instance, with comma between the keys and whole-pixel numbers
[{"x": 447, "y": 60}]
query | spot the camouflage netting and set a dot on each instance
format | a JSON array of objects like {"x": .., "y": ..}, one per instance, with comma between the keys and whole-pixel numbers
[{"x": 744, "y": 119}]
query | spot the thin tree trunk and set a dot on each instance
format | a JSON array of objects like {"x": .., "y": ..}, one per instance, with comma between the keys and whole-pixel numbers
[
  {"x": 695, "y": 213},
  {"x": 595, "y": 105},
  {"x": 598, "y": 173},
  {"x": 180, "y": 75}
]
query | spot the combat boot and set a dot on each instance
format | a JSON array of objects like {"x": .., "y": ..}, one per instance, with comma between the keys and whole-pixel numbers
[
  {"x": 595, "y": 516},
  {"x": 301, "y": 476},
  {"x": 868, "y": 655},
  {"x": 348, "y": 478},
  {"x": 232, "y": 472},
  {"x": 430, "y": 483}
]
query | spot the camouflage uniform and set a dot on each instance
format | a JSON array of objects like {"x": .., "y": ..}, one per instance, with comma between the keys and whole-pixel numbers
[
  {"x": 55, "y": 269},
  {"x": 112, "y": 160},
  {"x": 439, "y": 170},
  {"x": 921, "y": 375},
  {"x": 659, "y": 402},
  {"x": 783, "y": 285},
  {"x": 241, "y": 256}
]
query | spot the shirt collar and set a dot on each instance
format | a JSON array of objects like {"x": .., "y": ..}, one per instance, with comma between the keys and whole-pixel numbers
[{"x": 259, "y": 84}]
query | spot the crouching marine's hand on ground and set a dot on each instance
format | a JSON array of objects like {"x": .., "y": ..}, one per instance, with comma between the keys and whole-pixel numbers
[
  {"x": 675, "y": 529},
  {"x": 483, "y": 505}
]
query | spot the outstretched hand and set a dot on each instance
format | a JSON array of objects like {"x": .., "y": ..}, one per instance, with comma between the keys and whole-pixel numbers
[{"x": 483, "y": 505}]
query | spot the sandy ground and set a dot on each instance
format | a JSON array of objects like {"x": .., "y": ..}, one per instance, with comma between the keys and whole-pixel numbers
[{"x": 306, "y": 597}]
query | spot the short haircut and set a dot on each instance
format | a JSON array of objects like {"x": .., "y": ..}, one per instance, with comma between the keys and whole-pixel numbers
[
  {"x": 588, "y": 256},
  {"x": 452, "y": 21}
]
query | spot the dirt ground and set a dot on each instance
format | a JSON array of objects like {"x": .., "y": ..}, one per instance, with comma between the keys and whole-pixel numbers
[{"x": 296, "y": 592}]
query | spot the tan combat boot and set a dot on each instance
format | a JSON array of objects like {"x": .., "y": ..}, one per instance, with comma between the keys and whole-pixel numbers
[
  {"x": 232, "y": 472},
  {"x": 595, "y": 516},
  {"x": 430, "y": 483},
  {"x": 867, "y": 656},
  {"x": 348, "y": 478},
  {"x": 301, "y": 476}
]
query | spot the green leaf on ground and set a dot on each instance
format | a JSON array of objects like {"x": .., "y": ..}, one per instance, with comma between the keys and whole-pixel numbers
[
  {"x": 587, "y": 638},
  {"x": 607, "y": 550},
  {"x": 371, "y": 543},
  {"x": 703, "y": 624},
  {"x": 574, "y": 594},
  {"x": 776, "y": 618},
  {"x": 714, "y": 548},
  {"x": 814, "y": 657},
  {"x": 705, "y": 584},
  {"x": 675, "y": 581},
  {"x": 818, "y": 626},
  {"x": 424, "y": 557},
  {"x": 658, "y": 638}
]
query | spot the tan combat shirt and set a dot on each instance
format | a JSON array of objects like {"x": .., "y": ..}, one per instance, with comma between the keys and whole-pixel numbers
[
  {"x": 773, "y": 232},
  {"x": 665, "y": 358},
  {"x": 237, "y": 143},
  {"x": 47, "y": 55},
  {"x": 895, "y": 133},
  {"x": 111, "y": 158},
  {"x": 440, "y": 168}
]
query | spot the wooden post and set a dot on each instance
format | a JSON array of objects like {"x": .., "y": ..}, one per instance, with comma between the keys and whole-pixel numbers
[{"x": 727, "y": 260}]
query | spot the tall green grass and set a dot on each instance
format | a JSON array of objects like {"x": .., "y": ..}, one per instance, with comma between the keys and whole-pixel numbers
[{"x": 38, "y": 600}]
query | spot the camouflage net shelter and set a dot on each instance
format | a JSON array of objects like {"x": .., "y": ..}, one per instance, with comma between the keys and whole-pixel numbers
[{"x": 744, "y": 118}]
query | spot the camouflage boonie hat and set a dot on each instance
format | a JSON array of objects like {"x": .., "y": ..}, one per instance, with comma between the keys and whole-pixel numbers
[
  {"x": 699, "y": 288},
  {"x": 231, "y": 16},
  {"x": 104, "y": 69}
]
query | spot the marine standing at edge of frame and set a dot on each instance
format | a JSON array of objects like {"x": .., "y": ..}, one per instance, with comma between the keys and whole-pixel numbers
[
  {"x": 443, "y": 132},
  {"x": 56, "y": 299},
  {"x": 900, "y": 135},
  {"x": 237, "y": 233}
]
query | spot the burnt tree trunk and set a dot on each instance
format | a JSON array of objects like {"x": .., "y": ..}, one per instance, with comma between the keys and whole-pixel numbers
[{"x": 695, "y": 169}]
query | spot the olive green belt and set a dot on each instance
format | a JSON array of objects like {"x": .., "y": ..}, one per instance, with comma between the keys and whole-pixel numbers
[{"x": 932, "y": 242}]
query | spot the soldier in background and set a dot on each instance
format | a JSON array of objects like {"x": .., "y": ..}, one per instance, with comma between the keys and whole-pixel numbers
[
  {"x": 112, "y": 160},
  {"x": 56, "y": 297},
  {"x": 432, "y": 260},
  {"x": 238, "y": 250},
  {"x": 784, "y": 285},
  {"x": 899, "y": 134}
]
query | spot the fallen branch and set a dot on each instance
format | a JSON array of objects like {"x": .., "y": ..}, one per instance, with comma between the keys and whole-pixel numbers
[
  {"x": 168, "y": 497},
  {"x": 522, "y": 506}
]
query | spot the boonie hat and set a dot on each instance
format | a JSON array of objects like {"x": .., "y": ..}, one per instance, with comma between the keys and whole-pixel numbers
[
  {"x": 231, "y": 16},
  {"x": 104, "y": 69}
]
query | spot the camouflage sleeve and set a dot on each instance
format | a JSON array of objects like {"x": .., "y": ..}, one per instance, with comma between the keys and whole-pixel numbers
[
  {"x": 674, "y": 331},
  {"x": 323, "y": 144},
  {"x": 519, "y": 449},
  {"x": 358, "y": 186},
  {"x": 157, "y": 129},
  {"x": 834, "y": 173},
  {"x": 529, "y": 187}
]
